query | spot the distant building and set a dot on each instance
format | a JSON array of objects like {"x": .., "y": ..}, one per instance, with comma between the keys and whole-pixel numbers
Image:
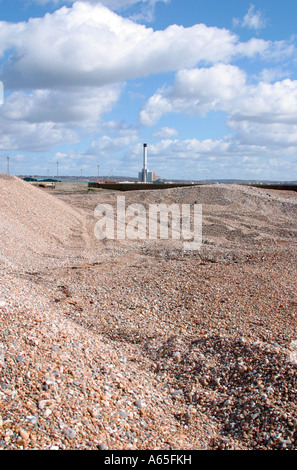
[
  {"x": 146, "y": 176},
  {"x": 151, "y": 176}
]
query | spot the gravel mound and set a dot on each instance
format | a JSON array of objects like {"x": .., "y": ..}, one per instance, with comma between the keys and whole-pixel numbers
[{"x": 36, "y": 228}]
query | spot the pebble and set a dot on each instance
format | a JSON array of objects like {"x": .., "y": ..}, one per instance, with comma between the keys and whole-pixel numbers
[
  {"x": 47, "y": 412},
  {"x": 139, "y": 404},
  {"x": 70, "y": 433},
  {"x": 176, "y": 393},
  {"x": 103, "y": 446},
  {"x": 33, "y": 419},
  {"x": 24, "y": 435},
  {"x": 176, "y": 354},
  {"x": 43, "y": 403}
]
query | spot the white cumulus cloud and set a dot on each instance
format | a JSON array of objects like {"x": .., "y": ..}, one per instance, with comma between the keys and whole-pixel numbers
[
  {"x": 90, "y": 45},
  {"x": 261, "y": 115},
  {"x": 252, "y": 20},
  {"x": 165, "y": 132},
  {"x": 224, "y": 88},
  {"x": 196, "y": 91},
  {"x": 84, "y": 105}
]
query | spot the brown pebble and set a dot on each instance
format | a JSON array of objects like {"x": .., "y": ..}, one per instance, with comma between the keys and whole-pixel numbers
[{"x": 24, "y": 435}]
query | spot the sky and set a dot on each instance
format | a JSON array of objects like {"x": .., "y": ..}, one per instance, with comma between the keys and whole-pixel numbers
[{"x": 209, "y": 85}]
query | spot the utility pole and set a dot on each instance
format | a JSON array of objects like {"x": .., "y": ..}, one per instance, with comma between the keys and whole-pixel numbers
[
  {"x": 57, "y": 169},
  {"x": 98, "y": 166},
  {"x": 8, "y": 165}
]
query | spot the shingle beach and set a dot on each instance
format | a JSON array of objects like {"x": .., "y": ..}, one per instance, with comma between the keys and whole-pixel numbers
[{"x": 137, "y": 345}]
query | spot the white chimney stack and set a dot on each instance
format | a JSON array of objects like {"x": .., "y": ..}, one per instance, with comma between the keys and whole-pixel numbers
[{"x": 144, "y": 170}]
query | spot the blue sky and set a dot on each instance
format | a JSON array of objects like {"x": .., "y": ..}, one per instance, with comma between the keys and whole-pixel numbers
[{"x": 210, "y": 86}]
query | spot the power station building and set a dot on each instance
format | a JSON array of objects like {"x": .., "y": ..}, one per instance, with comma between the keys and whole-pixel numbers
[
  {"x": 151, "y": 177},
  {"x": 146, "y": 176}
]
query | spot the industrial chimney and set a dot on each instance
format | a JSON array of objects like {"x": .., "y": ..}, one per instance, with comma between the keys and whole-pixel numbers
[{"x": 144, "y": 169}]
